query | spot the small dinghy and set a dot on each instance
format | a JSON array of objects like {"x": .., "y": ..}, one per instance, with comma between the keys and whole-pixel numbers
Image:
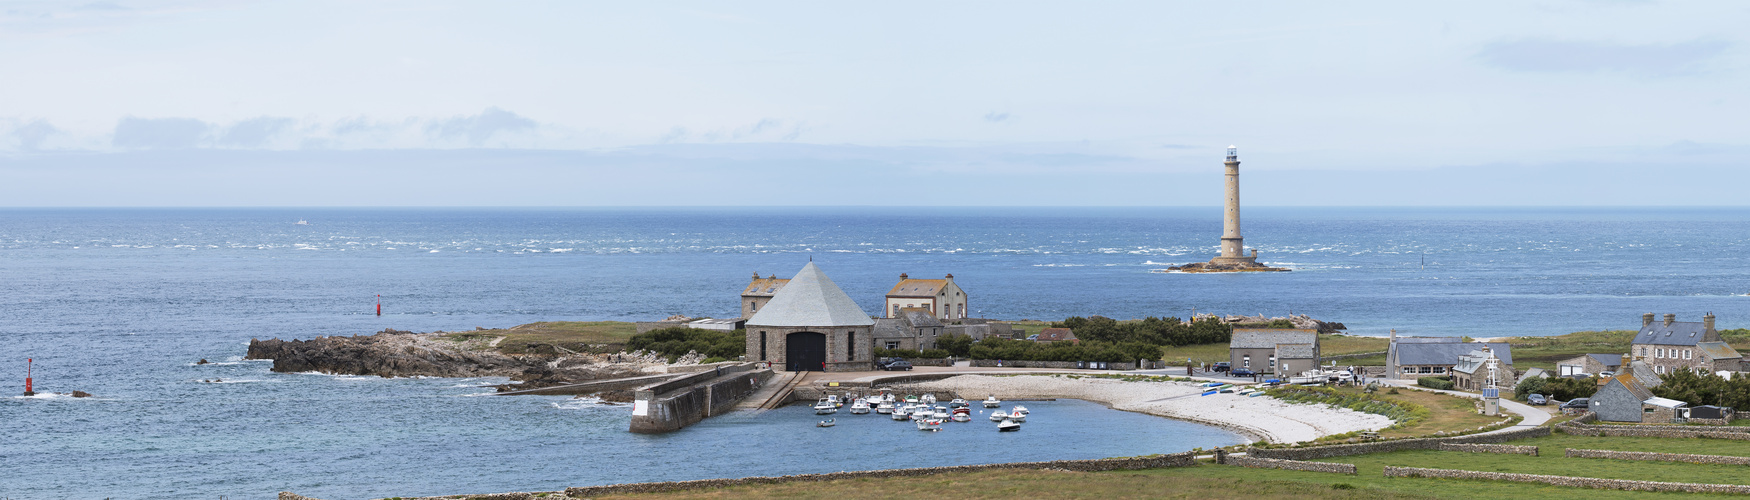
[
  {"x": 1008, "y": 426},
  {"x": 992, "y": 402},
  {"x": 826, "y": 423},
  {"x": 998, "y": 416}
]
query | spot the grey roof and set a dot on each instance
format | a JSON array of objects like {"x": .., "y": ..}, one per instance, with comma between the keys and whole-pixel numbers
[
  {"x": 1644, "y": 374},
  {"x": 1267, "y": 338},
  {"x": 810, "y": 299},
  {"x": 890, "y": 328},
  {"x": 1607, "y": 359},
  {"x": 1446, "y": 353},
  {"x": 1428, "y": 340},
  {"x": 1628, "y": 383},
  {"x": 919, "y": 317},
  {"x": 1718, "y": 350},
  {"x": 1471, "y": 362},
  {"x": 1294, "y": 351},
  {"x": 1534, "y": 372},
  {"x": 1679, "y": 333}
]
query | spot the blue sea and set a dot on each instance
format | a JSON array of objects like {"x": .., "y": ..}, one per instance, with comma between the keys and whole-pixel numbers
[{"x": 121, "y": 302}]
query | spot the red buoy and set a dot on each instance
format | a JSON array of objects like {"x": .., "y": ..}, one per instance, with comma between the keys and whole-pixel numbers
[
  {"x": 30, "y": 364},
  {"x": 379, "y": 304}
]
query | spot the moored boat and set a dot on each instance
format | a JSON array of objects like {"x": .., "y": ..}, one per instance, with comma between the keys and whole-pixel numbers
[
  {"x": 826, "y": 423},
  {"x": 929, "y": 425},
  {"x": 1008, "y": 426},
  {"x": 1020, "y": 410},
  {"x": 1018, "y": 415},
  {"x": 958, "y": 403},
  {"x": 824, "y": 407},
  {"x": 998, "y": 416},
  {"x": 992, "y": 402},
  {"x": 860, "y": 407},
  {"x": 884, "y": 407}
]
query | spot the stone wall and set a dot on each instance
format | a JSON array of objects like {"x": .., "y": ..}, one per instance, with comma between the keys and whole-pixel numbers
[
  {"x": 1582, "y": 426},
  {"x": 672, "y": 405},
  {"x": 1343, "y": 450},
  {"x": 1062, "y": 365},
  {"x": 1271, "y": 463},
  {"x": 1577, "y": 482},
  {"x": 1659, "y": 457},
  {"x": 1503, "y": 449},
  {"x": 1150, "y": 462}
]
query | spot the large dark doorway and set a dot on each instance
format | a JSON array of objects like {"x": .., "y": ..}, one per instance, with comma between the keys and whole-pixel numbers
[{"x": 805, "y": 351}]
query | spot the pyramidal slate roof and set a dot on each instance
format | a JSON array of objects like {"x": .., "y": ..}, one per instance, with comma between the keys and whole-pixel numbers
[{"x": 810, "y": 299}]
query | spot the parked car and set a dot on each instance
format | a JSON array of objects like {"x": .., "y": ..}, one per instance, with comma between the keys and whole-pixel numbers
[
  {"x": 1577, "y": 404},
  {"x": 1537, "y": 399},
  {"x": 1222, "y": 366},
  {"x": 899, "y": 365},
  {"x": 1241, "y": 372}
]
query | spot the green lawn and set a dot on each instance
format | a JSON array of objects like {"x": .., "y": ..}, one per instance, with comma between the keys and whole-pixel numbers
[{"x": 574, "y": 335}]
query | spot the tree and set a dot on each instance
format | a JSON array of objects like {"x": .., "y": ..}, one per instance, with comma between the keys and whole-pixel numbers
[{"x": 959, "y": 345}]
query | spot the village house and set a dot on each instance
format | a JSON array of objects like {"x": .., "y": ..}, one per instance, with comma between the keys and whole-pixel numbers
[
  {"x": 1594, "y": 364},
  {"x": 942, "y": 298},
  {"x": 914, "y": 329},
  {"x": 1057, "y": 335},
  {"x": 811, "y": 325},
  {"x": 1274, "y": 350},
  {"x": 759, "y": 292},
  {"x": 1416, "y": 357},
  {"x": 1476, "y": 369},
  {"x": 1628, "y": 397},
  {"x": 1684, "y": 345}
]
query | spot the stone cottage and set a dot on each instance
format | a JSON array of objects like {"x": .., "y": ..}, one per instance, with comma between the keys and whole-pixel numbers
[
  {"x": 1057, "y": 335},
  {"x": 1472, "y": 373},
  {"x": 1416, "y": 357},
  {"x": 1683, "y": 345},
  {"x": 759, "y": 292},
  {"x": 1264, "y": 350},
  {"x": 1628, "y": 397},
  {"x": 1589, "y": 363},
  {"x": 914, "y": 329},
  {"x": 811, "y": 325},
  {"x": 941, "y": 298}
]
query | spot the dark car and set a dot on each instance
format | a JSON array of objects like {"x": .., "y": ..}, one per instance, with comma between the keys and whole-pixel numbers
[
  {"x": 898, "y": 365},
  {"x": 1222, "y": 366},
  {"x": 1537, "y": 399},
  {"x": 1242, "y": 372},
  {"x": 1577, "y": 404}
]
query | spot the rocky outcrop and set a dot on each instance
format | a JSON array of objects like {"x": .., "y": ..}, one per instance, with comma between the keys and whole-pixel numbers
[
  {"x": 405, "y": 354},
  {"x": 1235, "y": 267}
]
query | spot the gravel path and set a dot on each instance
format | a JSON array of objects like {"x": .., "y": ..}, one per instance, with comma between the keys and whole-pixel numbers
[{"x": 1260, "y": 418}]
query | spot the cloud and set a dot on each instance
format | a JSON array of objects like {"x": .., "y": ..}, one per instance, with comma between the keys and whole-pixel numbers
[
  {"x": 996, "y": 117},
  {"x": 255, "y": 132},
  {"x": 479, "y": 128},
  {"x": 1536, "y": 55},
  {"x": 159, "y": 133},
  {"x": 31, "y": 135}
]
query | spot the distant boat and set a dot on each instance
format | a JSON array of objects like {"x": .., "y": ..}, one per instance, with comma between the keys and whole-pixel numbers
[
  {"x": 826, "y": 423},
  {"x": 992, "y": 402},
  {"x": 302, "y": 222}
]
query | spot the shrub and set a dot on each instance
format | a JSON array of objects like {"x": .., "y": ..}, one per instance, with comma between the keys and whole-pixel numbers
[
  {"x": 1435, "y": 383},
  {"x": 674, "y": 342},
  {"x": 1404, "y": 414},
  {"x": 1026, "y": 350}
]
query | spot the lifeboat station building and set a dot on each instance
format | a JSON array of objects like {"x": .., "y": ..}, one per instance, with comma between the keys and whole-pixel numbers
[{"x": 809, "y": 324}]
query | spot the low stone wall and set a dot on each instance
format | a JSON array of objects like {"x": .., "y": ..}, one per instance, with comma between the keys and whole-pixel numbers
[
  {"x": 1503, "y": 449},
  {"x": 1658, "y": 457},
  {"x": 1061, "y": 365},
  {"x": 1271, "y": 463},
  {"x": 667, "y": 407},
  {"x": 1711, "y": 421},
  {"x": 1151, "y": 462},
  {"x": 1344, "y": 450},
  {"x": 1582, "y": 426},
  {"x": 1577, "y": 482}
]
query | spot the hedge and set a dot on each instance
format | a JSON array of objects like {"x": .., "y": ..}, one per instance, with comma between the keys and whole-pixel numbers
[{"x": 1435, "y": 383}]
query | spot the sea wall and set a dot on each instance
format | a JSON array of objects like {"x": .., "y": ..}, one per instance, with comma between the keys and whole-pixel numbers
[
  {"x": 1577, "y": 482},
  {"x": 675, "y": 404},
  {"x": 1658, "y": 457},
  {"x": 1344, "y": 450}
]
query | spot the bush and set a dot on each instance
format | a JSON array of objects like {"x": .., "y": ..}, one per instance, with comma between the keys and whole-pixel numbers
[
  {"x": 1435, "y": 383},
  {"x": 676, "y": 341},
  {"x": 956, "y": 344},
  {"x": 1151, "y": 330}
]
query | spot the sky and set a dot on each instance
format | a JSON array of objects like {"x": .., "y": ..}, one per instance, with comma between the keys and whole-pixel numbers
[{"x": 438, "y": 103}]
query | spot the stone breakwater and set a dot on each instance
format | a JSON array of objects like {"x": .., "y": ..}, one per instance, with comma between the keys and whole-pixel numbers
[
  {"x": 1344, "y": 450},
  {"x": 1186, "y": 459},
  {"x": 1259, "y": 418},
  {"x": 1577, "y": 482},
  {"x": 1659, "y": 457},
  {"x": 405, "y": 354}
]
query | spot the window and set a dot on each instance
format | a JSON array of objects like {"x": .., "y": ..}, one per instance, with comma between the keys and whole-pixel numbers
[
  {"x": 893, "y": 345},
  {"x": 1272, "y": 361},
  {"x": 850, "y": 346},
  {"x": 1658, "y": 353},
  {"x": 1409, "y": 369},
  {"x": 1439, "y": 369},
  {"x": 896, "y": 310},
  {"x": 1246, "y": 361},
  {"x": 1425, "y": 370},
  {"x": 762, "y": 346},
  {"x": 1686, "y": 353},
  {"x": 753, "y": 305}
]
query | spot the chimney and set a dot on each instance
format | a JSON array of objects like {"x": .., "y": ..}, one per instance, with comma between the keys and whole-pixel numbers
[
  {"x": 756, "y": 275},
  {"x": 951, "y": 278},
  {"x": 1394, "y": 334},
  {"x": 903, "y": 276},
  {"x": 1670, "y": 318},
  {"x": 1707, "y": 322},
  {"x": 1646, "y": 320}
]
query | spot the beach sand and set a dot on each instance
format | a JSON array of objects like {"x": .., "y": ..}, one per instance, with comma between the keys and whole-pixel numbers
[{"x": 1260, "y": 418}]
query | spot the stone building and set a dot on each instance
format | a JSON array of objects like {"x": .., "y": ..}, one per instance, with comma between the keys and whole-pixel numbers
[
  {"x": 1472, "y": 373},
  {"x": 1628, "y": 397},
  {"x": 759, "y": 292},
  {"x": 914, "y": 329},
  {"x": 941, "y": 298},
  {"x": 1589, "y": 363},
  {"x": 1274, "y": 350},
  {"x": 1057, "y": 335},
  {"x": 811, "y": 325},
  {"x": 1683, "y": 345},
  {"x": 1416, "y": 357}
]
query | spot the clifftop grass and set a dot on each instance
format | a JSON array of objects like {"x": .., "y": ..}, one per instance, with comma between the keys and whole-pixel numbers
[{"x": 540, "y": 338}]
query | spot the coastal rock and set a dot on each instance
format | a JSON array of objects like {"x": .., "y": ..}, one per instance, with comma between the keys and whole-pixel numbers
[
  {"x": 394, "y": 353},
  {"x": 81, "y": 394}
]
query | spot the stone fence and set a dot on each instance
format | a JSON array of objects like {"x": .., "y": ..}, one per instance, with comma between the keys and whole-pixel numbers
[
  {"x": 1503, "y": 449},
  {"x": 1062, "y": 365},
  {"x": 1577, "y": 482},
  {"x": 1221, "y": 457},
  {"x": 1150, "y": 462},
  {"x": 1658, "y": 457},
  {"x": 1583, "y": 426},
  {"x": 1343, "y": 450}
]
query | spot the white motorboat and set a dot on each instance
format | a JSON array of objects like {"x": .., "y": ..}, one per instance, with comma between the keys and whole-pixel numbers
[
  {"x": 824, "y": 407},
  {"x": 998, "y": 416},
  {"x": 1019, "y": 410},
  {"x": 884, "y": 407},
  {"x": 928, "y": 399},
  {"x": 958, "y": 403},
  {"x": 929, "y": 425},
  {"x": 992, "y": 402},
  {"x": 901, "y": 414},
  {"x": 1017, "y": 415},
  {"x": 1008, "y": 426},
  {"x": 860, "y": 407},
  {"x": 826, "y": 423},
  {"x": 961, "y": 415},
  {"x": 302, "y": 222},
  {"x": 834, "y": 399},
  {"x": 1310, "y": 377},
  {"x": 941, "y": 413}
]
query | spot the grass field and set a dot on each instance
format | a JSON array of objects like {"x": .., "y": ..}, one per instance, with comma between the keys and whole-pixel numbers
[
  {"x": 1212, "y": 481},
  {"x": 573, "y": 335},
  {"x": 1445, "y": 413}
]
